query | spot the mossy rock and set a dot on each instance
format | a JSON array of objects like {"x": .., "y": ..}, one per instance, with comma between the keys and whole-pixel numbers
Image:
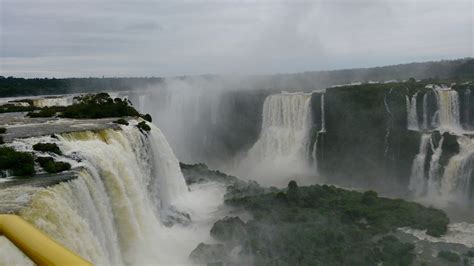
[
  {"x": 20, "y": 163},
  {"x": 449, "y": 256},
  {"x": 52, "y": 166},
  {"x": 47, "y": 147},
  {"x": 205, "y": 253},
  {"x": 147, "y": 117},
  {"x": 121, "y": 121},
  {"x": 228, "y": 229},
  {"x": 144, "y": 126}
]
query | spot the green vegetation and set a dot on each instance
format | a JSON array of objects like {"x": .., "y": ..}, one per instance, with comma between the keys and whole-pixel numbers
[
  {"x": 52, "y": 166},
  {"x": 46, "y": 112},
  {"x": 200, "y": 173},
  {"x": 449, "y": 256},
  {"x": 10, "y": 108},
  {"x": 47, "y": 147},
  {"x": 144, "y": 126},
  {"x": 320, "y": 225},
  {"x": 19, "y": 163},
  {"x": 445, "y": 69},
  {"x": 470, "y": 254},
  {"x": 93, "y": 106},
  {"x": 147, "y": 117},
  {"x": 99, "y": 105},
  {"x": 121, "y": 121}
]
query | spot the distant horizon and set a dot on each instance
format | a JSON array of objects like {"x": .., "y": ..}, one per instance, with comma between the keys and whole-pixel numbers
[
  {"x": 246, "y": 75},
  {"x": 61, "y": 38}
]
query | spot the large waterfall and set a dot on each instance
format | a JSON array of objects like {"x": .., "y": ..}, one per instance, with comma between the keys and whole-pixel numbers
[
  {"x": 446, "y": 116},
  {"x": 412, "y": 119},
  {"x": 418, "y": 179},
  {"x": 282, "y": 148},
  {"x": 452, "y": 182},
  {"x": 185, "y": 112},
  {"x": 114, "y": 212},
  {"x": 448, "y": 109}
]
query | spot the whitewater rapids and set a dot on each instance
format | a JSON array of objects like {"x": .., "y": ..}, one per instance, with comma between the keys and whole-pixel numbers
[{"x": 113, "y": 212}]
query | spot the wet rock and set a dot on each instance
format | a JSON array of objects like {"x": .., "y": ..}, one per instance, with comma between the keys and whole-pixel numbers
[
  {"x": 205, "y": 253},
  {"x": 229, "y": 229}
]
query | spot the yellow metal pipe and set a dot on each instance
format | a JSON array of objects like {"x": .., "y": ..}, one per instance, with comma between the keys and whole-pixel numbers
[{"x": 41, "y": 249}]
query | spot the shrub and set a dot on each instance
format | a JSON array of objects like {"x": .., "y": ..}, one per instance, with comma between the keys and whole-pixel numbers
[
  {"x": 121, "y": 121},
  {"x": 144, "y": 126},
  {"x": 99, "y": 106},
  {"x": 147, "y": 117},
  {"x": 20, "y": 163},
  {"x": 45, "y": 112},
  {"x": 293, "y": 192},
  {"x": 51, "y": 166},
  {"x": 10, "y": 108},
  {"x": 369, "y": 197},
  {"x": 3, "y": 130},
  {"x": 449, "y": 256},
  {"x": 470, "y": 253},
  {"x": 47, "y": 147}
]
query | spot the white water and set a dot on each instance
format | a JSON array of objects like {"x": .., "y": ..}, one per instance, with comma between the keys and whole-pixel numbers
[
  {"x": 454, "y": 184},
  {"x": 323, "y": 115},
  {"x": 448, "y": 109},
  {"x": 314, "y": 152},
  {"x": 412, "y": 114},
  {"x": 113, "y": 213},
  {"x": 425, "y": 111},
  {"x": 185, "y": 112},
  {"x": 54, "y": 101},
  {"x": 458, "y": 233},
  {"x": 281, "y": 152},
  {"x": 418, "y": 180},
  {"x": 446, "y": 117}
]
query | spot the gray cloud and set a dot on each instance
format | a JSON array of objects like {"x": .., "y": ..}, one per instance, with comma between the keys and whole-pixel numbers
[{"x": 161, "y": 38}]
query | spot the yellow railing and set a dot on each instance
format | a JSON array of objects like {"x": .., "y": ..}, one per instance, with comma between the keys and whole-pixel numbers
[{"x": 41, "y": 249}]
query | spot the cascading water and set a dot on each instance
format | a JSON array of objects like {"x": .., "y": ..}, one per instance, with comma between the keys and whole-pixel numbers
[
  {"x": 446, "y": 116},
  {"x": 112, "y": 213},
  {"x": 412, "y": 119},
  {"x": 185, "y": 112},
  {"x": 418, "y": 178},
  {"x": 425, "y": 111},
  {"x": 457, "y": 182},
  {"x": 323, "y": 116},
  {"x": 448, "y": 112},
  {"x": 314, "y": 152},
  {"x": 467, "y": 107},
  {"x": 54, "y": 101},
  {"x": 282, "y": 147}
]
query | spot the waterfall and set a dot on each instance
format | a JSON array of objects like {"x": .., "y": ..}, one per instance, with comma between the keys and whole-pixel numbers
[
  {"x": 467, "y": 108},
  {"x": 186, "y": 112},
  {"x": 282, "y": 147},
  {"x": 418, "y": 178},
  {"x": 457, "y": 181},
  {"x": 425, "y": 111},
  {"x": 314, "y": 152},
  {"x": 412, "y": 116},
  {"x": 111, "y": 213},
  {"x": 323, "y": 116},
  {"x": 54, "y": 101},
  {"x": 448, "y": 112}
]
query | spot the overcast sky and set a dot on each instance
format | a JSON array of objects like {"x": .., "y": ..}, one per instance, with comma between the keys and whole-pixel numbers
[{"x": 65, "y": 38}]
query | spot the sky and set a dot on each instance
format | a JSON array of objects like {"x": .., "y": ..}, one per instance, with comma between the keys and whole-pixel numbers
[{"x": 115, "y": 38}]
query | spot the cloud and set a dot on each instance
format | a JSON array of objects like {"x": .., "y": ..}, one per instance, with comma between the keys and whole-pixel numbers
[{"x": 161, "y": 38}]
